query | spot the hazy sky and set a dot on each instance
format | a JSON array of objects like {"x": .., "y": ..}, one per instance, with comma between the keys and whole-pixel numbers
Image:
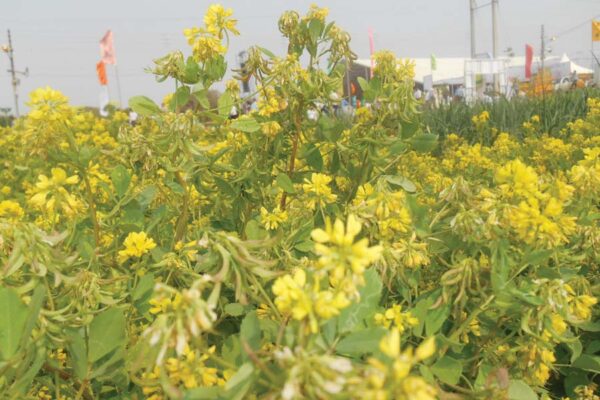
[{"x": 58, "y": 39}]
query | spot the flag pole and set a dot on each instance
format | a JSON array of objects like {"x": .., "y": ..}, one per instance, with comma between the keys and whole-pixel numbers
[{"x": 118, "y": 86}]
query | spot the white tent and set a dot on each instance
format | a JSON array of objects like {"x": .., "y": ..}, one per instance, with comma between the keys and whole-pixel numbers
[{"x": 451, "y": 70}]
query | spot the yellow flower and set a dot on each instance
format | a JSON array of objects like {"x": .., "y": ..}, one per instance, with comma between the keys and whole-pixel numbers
[
  {"x": 50, "y": 193},
  {"x": 318, "y": 190},
  {"x": 315, "y": 12},
  {"x": 337, "y": 249},
  {"x": 272, "y": 220},
  {"x": 417, "y": 389},
  {"x": 425, "y": 349},
  {"x": 558, "y": 323},
  {"x": 581, "y": 306},
  {"x": 136, "y": 245},
  {"x": 271, "y": 128},
  {"x": 217, "y": 20},
  {"x": 269, "y": 102},
  {"x": 206, "y": 48},
  {"x": 395, "y": 317},
  {"x": 390, "y": 343},
  {"x": 11, "y": 210},
  {"x": 290, "y": 295}
]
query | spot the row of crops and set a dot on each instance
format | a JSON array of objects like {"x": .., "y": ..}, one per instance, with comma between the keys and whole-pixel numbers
[{"x": 274, "y": 256}]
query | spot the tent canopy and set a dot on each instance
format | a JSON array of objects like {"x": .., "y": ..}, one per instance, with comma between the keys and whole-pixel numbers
[{"x": 451, "y": 70}]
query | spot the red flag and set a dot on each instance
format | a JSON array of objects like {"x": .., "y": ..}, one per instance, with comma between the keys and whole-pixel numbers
[
  {"x": 107, "y": 51},
  {"x": 101, "y": 71},
  {"x": 528, "y": 60}
]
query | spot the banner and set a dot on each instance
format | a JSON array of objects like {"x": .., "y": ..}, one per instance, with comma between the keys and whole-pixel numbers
[
  {"x": 528, "y": 60},
  {"x": 595, "y": 31},
  {"x": 101, "y": 71},
  {"x": 107, "y": 50}
]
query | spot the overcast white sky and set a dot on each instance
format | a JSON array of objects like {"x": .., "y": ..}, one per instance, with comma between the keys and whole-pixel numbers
[{"x": 58, "y": 39}]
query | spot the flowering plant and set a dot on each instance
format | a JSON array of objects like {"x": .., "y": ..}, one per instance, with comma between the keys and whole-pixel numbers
[{"x": 273, "y": 255}]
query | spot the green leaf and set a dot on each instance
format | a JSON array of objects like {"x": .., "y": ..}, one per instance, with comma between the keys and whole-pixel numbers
[
  {"x": 397, "y": 147},
  {"x": 352, "y": 316},
  {"x": 143, "y": 106},
  {"x": 401, "y": 181},
  {"x": 245, "y": 124},
  {"x": 434, "y": 319},
  {"x": 240, "y": 382},
  {"x": 305, "y": 246},
  {"x": 250, "y": 331},
  {"x": 234, "y": 309},
  {"x": 363, "y": 83},
  {"x": 146, "y": 196},
  {"x": 34, "y": 307},
  {"x": 266, "y": 52},
  {"x": 191, "y": 71},
  {"x": 225, "y": 104},
  {"x": 313, "y": 157},
  {"x": 23, "y": 383},
  {"x": 181, "y": 97},
  {"x": 448, "y": 370},
  {"x": 500, "y": 266},
  {"x": 78, "y": 358},
  {"x": 519, "y": 390},
  {"x": 315, "y": 27},
  {"x": 107, "y": 332},
  {"x": 145, "y": 285},
  {"x": 361, "y": 342},
  {"x": 12, "y": 322},
  {"x": 203, "y": 393},
  {"x": 121, "y": 179},
  {"x": 576, "y": 348},
  {"x": 588, "y": 362},
  {"x": 254, "y": 231},
  {"x": 285, "y": 183},
  {"x": 424, "y": 142},
  {"x": 409, "y": 128}
]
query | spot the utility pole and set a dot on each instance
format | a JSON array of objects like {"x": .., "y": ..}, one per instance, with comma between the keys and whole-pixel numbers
[
  {"x": 473, "y": 7},
  {"x": 542, "y": 48},
  {"x": 495, "y": 27},
  {"x": 15, "y": 82}
]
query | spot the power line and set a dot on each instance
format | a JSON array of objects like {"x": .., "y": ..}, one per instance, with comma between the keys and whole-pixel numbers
[{"x": 574, "y": 28}]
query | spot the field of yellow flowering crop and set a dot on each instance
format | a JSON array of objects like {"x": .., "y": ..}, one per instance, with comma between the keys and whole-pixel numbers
[{"x": 275, "y": 256}]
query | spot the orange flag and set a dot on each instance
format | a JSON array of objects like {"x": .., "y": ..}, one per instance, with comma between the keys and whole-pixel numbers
[
  {"x": 107, "y": 50},
  {"x": 595, "y": 31},
  {"x": 101, "y": 71}
]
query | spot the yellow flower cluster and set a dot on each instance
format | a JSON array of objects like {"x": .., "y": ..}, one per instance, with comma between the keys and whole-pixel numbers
[
  {"x": 50, "y": 194},
  {"x": 136, "y": 245},
  {"x": 396, "y": 318},
  {"x": 341, "y": 256},
  {"x": 271, "y": 128},
  {"x": 207, "y": 42},
  {"x": 272, "y": 220},
  {"x": 11, "y": 210},
  {"x": 342, "y": 260},
  {"x": 318, "y": 191},
  {"x": 392, "y": 379},
  {"x": 536, "y": 216},
  {"x": 480, "y": 120},
  {"x": 189, "y": 371},
  {"x": 269, "y": 102}
]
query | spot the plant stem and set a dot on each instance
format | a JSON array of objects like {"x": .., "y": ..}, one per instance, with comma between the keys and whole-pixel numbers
[
  {"x": 92, "y": 207},
  {"x": 182, "y": 220},
  {"x": 292, "y": 162}
]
